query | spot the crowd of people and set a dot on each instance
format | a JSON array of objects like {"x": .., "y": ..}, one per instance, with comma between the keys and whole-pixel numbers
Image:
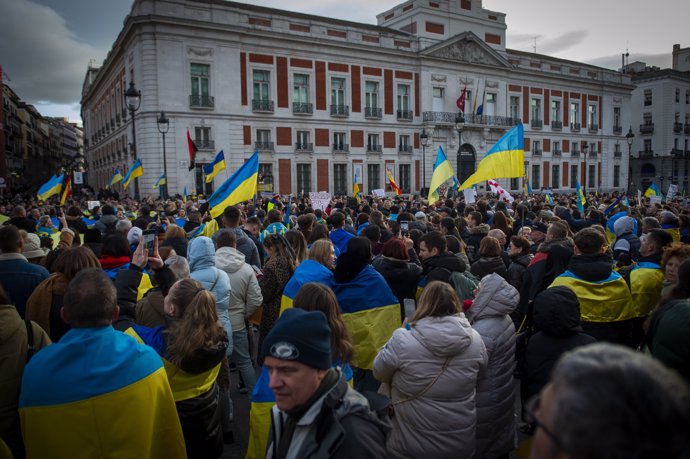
[{"x": 375, "y": 327}]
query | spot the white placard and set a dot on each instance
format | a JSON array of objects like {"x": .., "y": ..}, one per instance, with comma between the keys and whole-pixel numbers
[
  {"x": 672, "y": 190},
  {"x": 92, "y": 204},
  {"x": 320, "y": 200},
  {"x": 470, "y": 194},
  {"x": 379, "y": 193},
  {"x": 78, "y": 178},
  {"x": 655, "y": 199}
]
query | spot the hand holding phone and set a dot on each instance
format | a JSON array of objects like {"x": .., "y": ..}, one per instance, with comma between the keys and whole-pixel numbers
[{"x": 149, "y": 236}]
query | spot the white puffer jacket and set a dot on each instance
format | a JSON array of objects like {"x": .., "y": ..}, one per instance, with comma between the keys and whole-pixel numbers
[
  {"x": 245, "y": 293},
  {"x": 496, "y": 387},
  {"x": 441, "y": 422}
]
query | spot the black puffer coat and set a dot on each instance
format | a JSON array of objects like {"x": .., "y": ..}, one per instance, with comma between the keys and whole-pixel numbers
[
  {"x": 488, "y": 265},
  {"x": 440, "y": 267},
  {"x": 400, "y": 275}
]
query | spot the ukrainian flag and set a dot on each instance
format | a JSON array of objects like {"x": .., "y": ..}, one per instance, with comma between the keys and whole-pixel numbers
[
  {"x": 51, "y": 187},
  {"x": 117, "y": 177},
  {"x": 371, "y": 313},
  {"x": 549, "y": 199},
  {"x": 442, "y": 171},
  {"x": 653, "y": 190},
  {"x": 218, "y": 164},
  {"x": 161, "y": 181},
  {"x": 506, "y": 159},
  {"x": 355, "y": 191},
  {"x": 646, "y": 282},
  {"x": 307, "y": 271},
  {"x": 137, "y": 170},
  {"x": 241, "y": 186},
  {"x": 580, "y": 197},
  {"x": 184, "y": 194},
  {"x": 262, "y": 402}
]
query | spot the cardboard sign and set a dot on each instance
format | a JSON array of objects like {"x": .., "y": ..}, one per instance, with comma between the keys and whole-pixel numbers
[
  {"x": 320, "y": 200},
  {"x": 379, "y": 193},
  {"x": 92, "y": 204}
]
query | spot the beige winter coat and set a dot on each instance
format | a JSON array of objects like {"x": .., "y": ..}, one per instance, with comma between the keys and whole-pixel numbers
[{"x": 441, "y": 422}]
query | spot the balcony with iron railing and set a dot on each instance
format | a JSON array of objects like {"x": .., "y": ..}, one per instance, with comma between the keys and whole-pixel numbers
[
  {"x": 199, "y": 101},
  {"x": 373, "y": 113},
  {"x": 686, "y": 128},
  {"x": 575, "y": 127},
  {"x": 677, "y": 128},
  {"x": 302, "y": 146},
  {"x": 536, "y": 152},
  {"x": 617, "y": 154},
  {"x": 302, "y": 108},
  {"x": 592, "y": 154},
  {"x": 263, "y": 146},
  {"x": 647, "y": 128},
  {"x": 118, "y": 119},
  {"x": 340, "y": 111},
  {"x": 618, "y": 129},
  {"x": 341, "y": 148},
  {"x": 205, "y": 144},
  {"x": 405, "y": 149},
  {"x": 537, "y": 124},
  {"x": 575, "y": 154},
  {"x": 593, "y": 128},
  {"x": 448, "y": 118},
  {"x": 646, "y": 154},
  {"x": 374, "y": 149},
  {"x": 262, "y": 106},
  {"x": 557, "y": 152},
  {"x": 404, "y": 115},
  {"x": 556, "y": 125}
]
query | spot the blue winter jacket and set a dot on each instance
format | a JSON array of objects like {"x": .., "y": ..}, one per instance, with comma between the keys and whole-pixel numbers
[{"x": 202, "y": 266}]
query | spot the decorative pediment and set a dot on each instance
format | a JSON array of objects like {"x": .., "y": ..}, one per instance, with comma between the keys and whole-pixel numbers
[{"x": 467, "y": 47}]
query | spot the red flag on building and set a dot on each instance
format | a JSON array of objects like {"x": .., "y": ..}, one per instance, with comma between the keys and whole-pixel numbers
[
  {"x": 461, "y": 100},
  {"x": 192, "y": 150}
]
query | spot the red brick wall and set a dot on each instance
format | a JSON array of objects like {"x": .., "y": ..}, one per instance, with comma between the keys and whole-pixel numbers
[
  {"x": 566, "y": 146},
  {"x": 566, "y": 171},
  {"x": 302, "y": 63},
  {"x": 525, "y": 105},
  {"x": 285, "y": 176},
  {"x": 416, "y": 94},
  {"x": 321, "y": 137},
  {"x": 566, "y": 111},
  {"x": 547, "y": 171},
  {"x": 284, "y": 136},
  {"x": 492, "y": 38},
  {"x": 433, "y": 27},
  {"x": 547, "y": 108},
  {"x": 247, "y": 135},
  {"x": 261, "y": 59},
  {"x": 389, "y": 139},
  {"x": 282, "y": 81},
  {"x": 243, "y": 77},
  {"x": 388, "y": 91},
  {"x": 356, "y": 88},
  {"x": 322, "y": 175},
  {"x": 334, "y": 67},
  {"x": 371, "y": 71},
  {"x": 320, "y": 85},
  {"x": 547, "y": 144},
  {"x": 357, "y": 139}
]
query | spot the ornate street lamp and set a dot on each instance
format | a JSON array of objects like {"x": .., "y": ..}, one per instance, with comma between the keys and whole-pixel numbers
[
  {"x": 629, "y": 137},
  {"x": 424, "y": 137},
  {"x": 133, "y": 101},
  {"x": 163, "y": 126}
]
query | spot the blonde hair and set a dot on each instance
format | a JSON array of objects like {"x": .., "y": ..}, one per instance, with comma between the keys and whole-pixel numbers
[
  {"x": 438, "y": 299},
  {"x": 174, "y": 231},
  {"x": 321, "y": 251},
  {"x": 197, "y": 325}
]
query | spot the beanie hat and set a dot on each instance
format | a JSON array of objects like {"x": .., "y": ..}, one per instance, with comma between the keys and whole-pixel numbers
[
  {"x": 301, "y": 336},
  {"x": 32, "y": 247},
  {"x": 133, "y": 235},
  {"x": 420, "y": 215}
]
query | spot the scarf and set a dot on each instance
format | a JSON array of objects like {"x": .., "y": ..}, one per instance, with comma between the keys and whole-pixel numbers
[{"x": 110, "y": 262}]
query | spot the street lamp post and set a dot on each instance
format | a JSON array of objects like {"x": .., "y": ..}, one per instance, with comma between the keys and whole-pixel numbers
[
  {"x": 133, "y": 101},
  {"x": 585, "y": 149},
  {"x": 629, "y": 137},
  {"x": 459, "y": 125},
  {"x": 163, "y": 126},
  {"x": 424, "y": 137}
]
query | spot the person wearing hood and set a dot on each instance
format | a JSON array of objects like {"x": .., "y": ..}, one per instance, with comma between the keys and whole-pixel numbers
[
  {"x": 605, "y": 301},
  {"x": 106, "y": 223},
  {"x": 490, "y": 260},
  {"x": 245, "y": 299},
  {"x": 518, "y": 252},
  {"x": 192, "y": 346},
  {"x": 176, "y": 238},
  {"x": 625, "y": 229},
  {"x": 432, "y": 366},
  {"x": 437, "y": 263},
  {"x": 489, "y": 316},
  {"x": 557, "y": 319},
  {"x": 231, "y": 222},
  {"x": 671, "y": 224},
  {"x": 339, "y": 236},
  {"x": 478, "y": 231}
]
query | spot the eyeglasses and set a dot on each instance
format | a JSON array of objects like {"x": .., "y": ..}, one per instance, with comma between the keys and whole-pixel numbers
[{"x": 530, "y": 416}]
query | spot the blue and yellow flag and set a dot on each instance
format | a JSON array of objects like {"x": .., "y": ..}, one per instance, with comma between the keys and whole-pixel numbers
[
  {"x": 218, "y": 164},
  {"x": 580, "y": 197},
  {"x": 161, "y": 181},
  {"x": 307, "y": 271},
  {"x": 443, "y": 171},
  {"x": 117, "y": 177},
  {"x": 184, "y": 194},
  {"x": 613, "y": 206},
  {"x": 240, "y": 186},
  {"x": 549, "y": 199},
  {"x": 51, "y": 187},
  {"x": 355, "y": 191},
  {"x": 506, "y": 159},
  {"x": 137, "y": 170},
  {"x": 653, "y": 190}
]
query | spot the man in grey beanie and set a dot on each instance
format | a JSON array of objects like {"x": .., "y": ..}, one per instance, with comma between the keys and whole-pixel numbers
[{"x": 317, "y": 414}]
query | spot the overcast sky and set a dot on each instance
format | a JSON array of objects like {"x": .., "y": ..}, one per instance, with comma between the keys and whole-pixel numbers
[{"x": 46, "y": 45}]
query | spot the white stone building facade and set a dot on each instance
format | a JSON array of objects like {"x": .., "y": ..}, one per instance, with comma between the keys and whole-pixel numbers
[{"x": 327, "y": 102}]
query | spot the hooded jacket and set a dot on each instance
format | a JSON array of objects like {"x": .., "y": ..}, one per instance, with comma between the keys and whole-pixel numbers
[
  {"x": 440, "y": 267},
  {"x": 487, "y": 265},
  {"x": 477, "y": 233},
  {"x": 517, "y": 269},
  {"x": 340, "y": 238},
  {"x": 243, "y": 244},
  {"x": 400, "y": 275},
  {"x": 669, "y": 339},
  {"x": 245, "y": 293},
  {"x": 626, "y": 239},
  {"x": 489, "y": 315},
  {"x": 439, "y": 422},
  {"x": 106, "y": 224},
  {"x": 557, "y": 317},
  {"x": 202, "y": 267}
]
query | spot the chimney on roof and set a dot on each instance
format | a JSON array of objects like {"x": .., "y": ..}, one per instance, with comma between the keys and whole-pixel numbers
[{"x": 676, "y": 49}]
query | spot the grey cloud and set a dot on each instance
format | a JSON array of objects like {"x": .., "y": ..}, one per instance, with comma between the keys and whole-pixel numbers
[
  {"x": 561, "y": 42},
  {"x": 662, "y": 60},
  {"x": 43, "y": 57}
]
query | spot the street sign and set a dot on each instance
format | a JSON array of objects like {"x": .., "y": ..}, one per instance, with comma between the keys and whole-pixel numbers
[{"x": 78, "y": 178}]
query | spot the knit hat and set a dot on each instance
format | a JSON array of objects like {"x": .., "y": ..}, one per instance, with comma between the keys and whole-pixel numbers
[
  {"x": 668, "y": 218},
  {"x": 134, "y": 235},
  {"x": 300, "y": 336},
  {"x": 420, "y": 215},
  {"x": 32, "y": 247}
]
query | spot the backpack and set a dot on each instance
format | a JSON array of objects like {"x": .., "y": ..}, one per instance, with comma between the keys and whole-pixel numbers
[{"x": 464, "y": 284}]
